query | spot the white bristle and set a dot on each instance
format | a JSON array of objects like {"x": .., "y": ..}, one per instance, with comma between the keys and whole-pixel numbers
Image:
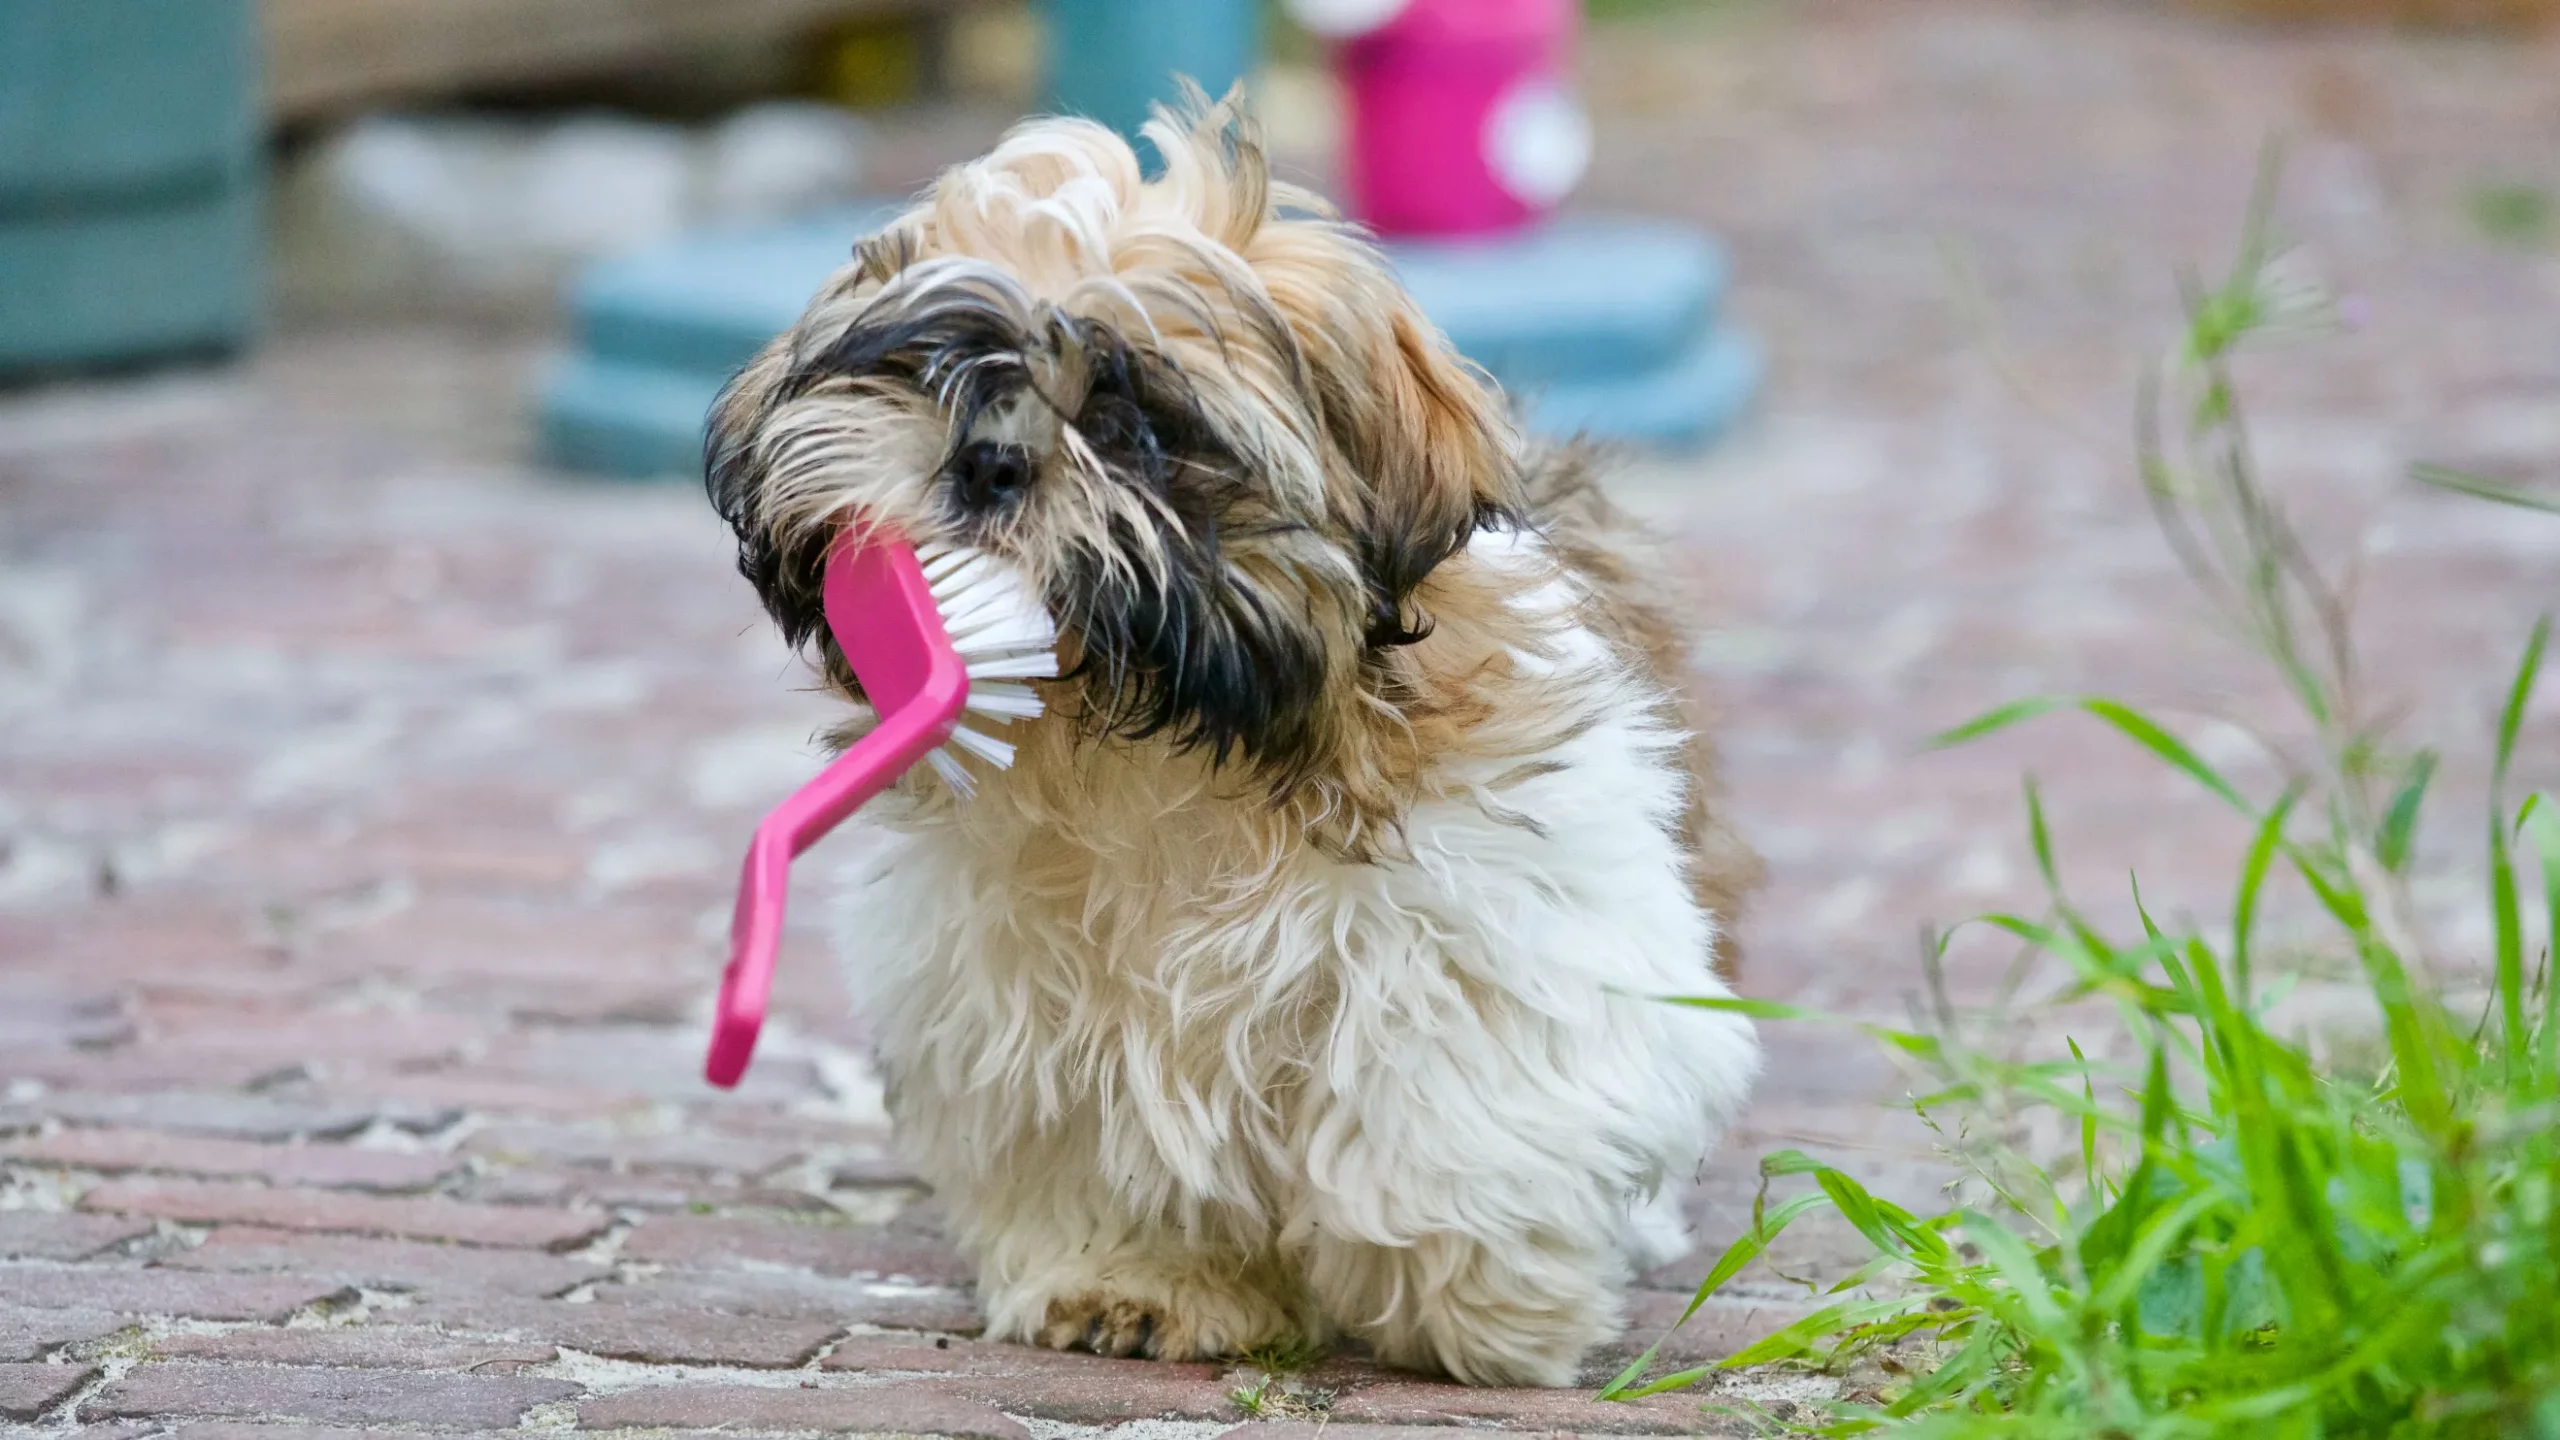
[
  {"x": 1004, "y": 637},
  {"x": 1037, "y": 666},
  {"x": 983, "y": 745},
  {"x": 1004, "y": 701},
  {"x": 953, "y": 773}
]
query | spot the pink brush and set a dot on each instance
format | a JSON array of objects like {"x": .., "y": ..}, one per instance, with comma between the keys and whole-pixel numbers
[{"x": 930, "y": 635}]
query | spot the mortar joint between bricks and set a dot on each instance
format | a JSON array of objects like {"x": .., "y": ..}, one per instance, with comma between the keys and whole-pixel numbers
[
  {"x": 606, "y": 1249},
  {"x": 349, "y": 1308},
  {"x": 28, "y": 1187},
  {"x": 167, "y": 1237},
  {"x": 449, "y": 1136},
  {"x": 818, "y": 1359},
  {"x": 551, "y": 1415},
  {"x": 325, "y": 1313},
  {"x": 140, "y": 1340},
  {"x": 604, "y": 1375},
  {"x": 282, "y": 1077},
  {"x": 66, "y": 1415},
  {"x": 384, "y": 1133},
  {"x": 128, "y": 1341}
]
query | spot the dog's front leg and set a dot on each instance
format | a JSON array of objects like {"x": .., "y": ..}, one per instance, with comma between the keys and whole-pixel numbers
[
  {"x": 1482, "y": 1308},
  {"x": 1062, "y": 1263},
  {"x": 1469, "y": 1179}
]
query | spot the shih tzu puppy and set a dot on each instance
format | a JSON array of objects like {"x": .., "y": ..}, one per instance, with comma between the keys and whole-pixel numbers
[{"x": 1294, "y": 981}]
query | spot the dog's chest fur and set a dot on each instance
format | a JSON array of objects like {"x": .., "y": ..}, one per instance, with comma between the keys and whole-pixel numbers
[{"x": 1165, "y": 974}]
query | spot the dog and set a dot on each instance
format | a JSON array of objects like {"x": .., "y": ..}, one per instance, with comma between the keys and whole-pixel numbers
[{"x": 1297, "y": 981}]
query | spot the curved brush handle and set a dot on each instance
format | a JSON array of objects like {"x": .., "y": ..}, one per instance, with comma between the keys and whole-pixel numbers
[
  {"x": 882, "y": 613},
  {"x": 764, "y": 886},
  {"x": 755, "y": 937}
]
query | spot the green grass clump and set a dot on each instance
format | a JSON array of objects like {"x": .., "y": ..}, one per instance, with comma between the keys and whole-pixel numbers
[
  {"x": 1274, "y": 1391},
  {"x": 2241, "y": 1241}
]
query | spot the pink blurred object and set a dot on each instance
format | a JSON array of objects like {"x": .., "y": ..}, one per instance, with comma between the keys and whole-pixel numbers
[
  {"x": 883, "y": 615},
  {"x": 1463, "y": 120}
]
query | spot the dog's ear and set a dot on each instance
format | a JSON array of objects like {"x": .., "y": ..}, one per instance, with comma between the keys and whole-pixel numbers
[
  {"x": 1425, "y": 440},
  {"x": 1429, "y": 436},
  {"x": 785, "y": 564}
]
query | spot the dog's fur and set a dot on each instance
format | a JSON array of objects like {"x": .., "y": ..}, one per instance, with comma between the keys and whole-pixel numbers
[{"x": 1293, "y": 981}]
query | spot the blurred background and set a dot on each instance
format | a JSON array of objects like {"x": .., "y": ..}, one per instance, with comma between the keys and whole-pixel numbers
[{"x": 381, "y": 719}]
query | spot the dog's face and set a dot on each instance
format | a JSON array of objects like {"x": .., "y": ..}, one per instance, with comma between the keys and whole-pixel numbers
[{"x": 1197, "y": 412}]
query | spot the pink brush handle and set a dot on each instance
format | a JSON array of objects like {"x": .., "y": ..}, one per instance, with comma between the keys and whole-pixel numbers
[{"x": 882, "y": 613}]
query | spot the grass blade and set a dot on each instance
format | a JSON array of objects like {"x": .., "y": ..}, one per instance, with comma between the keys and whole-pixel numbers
[
  {"x": 2009, "y": 1257},
  {"x": 2506, "y": 911},
  {"x": 1677, "y": 1380},
  {"x": 2253, "y": 878},
  {"x": 2142, "y": 1258},
  {"x": 2400, "y": 822},
  {"x": 2481, "y": 487},
  {"x": 2542, "y": 825},
  {"x": 1747, "y": 1247},
  {"x": 2506, "y": 907},
  {"x": 2143, "y": 731},
  {"x": 1798, "y": 1339},
  {"x": 2088, "y": 1125},
  {"x": 1616, "y": 1389},
  {"x": 1739, "y": 1005},
  {"x": 1991, "y": 720},
  {"x": 2040, "y": 840},
  {"x": 2132, "y": 723},
  {"x": 2511, "y": 719}
]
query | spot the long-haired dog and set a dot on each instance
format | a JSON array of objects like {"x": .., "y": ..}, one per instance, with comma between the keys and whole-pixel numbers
[{"x": 1294, "y": 981}]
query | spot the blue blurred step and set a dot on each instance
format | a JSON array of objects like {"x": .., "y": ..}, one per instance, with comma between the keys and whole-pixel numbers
[
  {"x": 608, "y": 417},
  {"x": 612, "y": 418},
  {"x": 1687, "y": 402},
  {"x": 708, "y": 303},
  {"x": 1578, "y": 298},
  {"x": 1598, "y": 325}
]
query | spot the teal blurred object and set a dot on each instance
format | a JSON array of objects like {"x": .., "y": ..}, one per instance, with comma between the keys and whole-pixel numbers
[
  {"x": 1111, "y": 59},
  {"x": 657, "y": 333},
  {"x": 1605, "y": 325},
  {"x": 130, "y": 169},
  {"x": 1599, "y": 325}
]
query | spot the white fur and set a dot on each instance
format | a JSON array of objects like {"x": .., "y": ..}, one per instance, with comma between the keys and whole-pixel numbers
[{"x": 1182, "y": 1067}]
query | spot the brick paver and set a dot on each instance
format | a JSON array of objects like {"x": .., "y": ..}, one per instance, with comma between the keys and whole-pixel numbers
[
  {"x": 270, "y": 1299},
  {"x": 214, "y": 1202},
  {"x": 324, "y": 1396},
  {"x": 27, "y": 1391},
  {"x": 52, "y": 1235},
  {"x": 367, "y": 1347},
  {"x": 670, "y": 1334},
  {"x": 332, "y": 1166},
  {"x": 417, "y": 1268},
  {"x": 28, "y": 1334},
  {"x": 368, "y": 799},
  {"x": 892, "y": 1409}
]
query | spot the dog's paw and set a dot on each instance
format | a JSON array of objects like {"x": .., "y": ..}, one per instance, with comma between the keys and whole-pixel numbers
[
  {"x": 1109, "y": 1324},
  {"x": 1178, "y": 1319}
]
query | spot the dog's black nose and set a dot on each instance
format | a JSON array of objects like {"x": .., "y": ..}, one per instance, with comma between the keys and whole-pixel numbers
[{"x": 987, "y": 473}]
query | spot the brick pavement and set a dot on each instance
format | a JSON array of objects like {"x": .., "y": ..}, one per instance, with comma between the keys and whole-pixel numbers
[{"x": 367, "y": 800}]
